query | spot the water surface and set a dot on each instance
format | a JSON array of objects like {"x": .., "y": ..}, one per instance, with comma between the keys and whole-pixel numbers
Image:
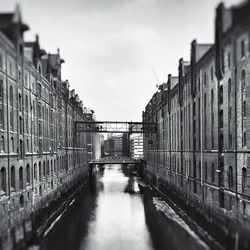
[{"x": 112, "y": 214}]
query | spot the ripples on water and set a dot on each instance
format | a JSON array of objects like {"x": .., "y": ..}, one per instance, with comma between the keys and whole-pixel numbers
[{"x": 111, "y": 214}]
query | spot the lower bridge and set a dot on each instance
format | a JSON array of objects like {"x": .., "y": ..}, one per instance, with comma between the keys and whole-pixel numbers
[{"x": 115, "y": 160}]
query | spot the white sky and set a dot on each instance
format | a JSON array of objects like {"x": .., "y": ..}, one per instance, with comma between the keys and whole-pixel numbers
[{"x": 111, "y": 47}]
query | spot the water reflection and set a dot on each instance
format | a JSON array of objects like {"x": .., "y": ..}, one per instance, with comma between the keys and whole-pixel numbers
[{"x": 112, "y": 214}]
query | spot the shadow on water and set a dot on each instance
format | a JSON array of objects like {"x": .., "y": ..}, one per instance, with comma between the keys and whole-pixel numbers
[
  {"x": 72, "y": 227},
  {"x": 165, "y": 232},
  {"x": 111, "y": 214}
]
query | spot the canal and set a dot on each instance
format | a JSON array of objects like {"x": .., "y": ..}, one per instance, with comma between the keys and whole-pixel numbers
[{"x": 111, "y": 213}]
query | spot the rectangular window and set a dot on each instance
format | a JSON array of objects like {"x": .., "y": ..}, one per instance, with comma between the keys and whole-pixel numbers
[
  {"x": 242, "y": 48},
  {"x": 11, "y": 121},
  {"x": 205, "y": 78},
  {"x": 39, "y": 90},
  {"x": 1, "y": 61},
  {"x": 244, "y": 111},
  {"x": 1, "y": 117},
  {"x": 221, "y": 119},
  {"x": 230, "y": 140},
  {"x": 229, "y": 60},
  {"x": 244, "y": 142},
  {"x": 212, "y": 73}
]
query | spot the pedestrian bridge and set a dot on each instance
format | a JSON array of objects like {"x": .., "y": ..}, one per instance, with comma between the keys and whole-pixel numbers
[{"x": 115, "y": 160}]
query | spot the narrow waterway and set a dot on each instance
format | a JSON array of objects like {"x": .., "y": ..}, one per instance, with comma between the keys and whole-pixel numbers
[{"x": 112, "y": 214}]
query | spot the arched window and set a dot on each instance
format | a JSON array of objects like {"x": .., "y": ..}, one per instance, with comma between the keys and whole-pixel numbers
[
  {"x": 40, "y": 171},
  {"x": 244, "y": 179},
  {"x": 27, "y": 145},
  {"x": 11, "y": 96},
  {"x": 28, "y": 173},
  {"x": 21, "y": 149},
  {"x": 13, "y": 177},
  {"x": 221, "y": 119},
  {"x": 243, "y": 48},
  {"x": 20, "y": 101},
  {"x": 21, "y": 201},
  {"x": 26, "y": 104},
  {"x": 212, "y": 173},
  {"x": 243, "y": 79},
  {"x": 1, "y": 89},
  {"x": 230, "y": 177},
  {"x": 34, "y": 109},
  {"x": 19, "y": 77},
  {"x": 1, "y": 116},
  {"x": 40, "y": 191},
  {"x": 2, "y": 144},
  {"x": 12, "y": 144},
  {"x": 54, "y": 166},
  {"x": 221, "y": 94},
  {"x": 11, "y": 120},
  {"x": 44, "y": 169},
  {"x": 35, "y": 172},
  {"x": 229, "y": 88},
  {"x": 51, "y": 166},
  {"x": 40, "y": 129},
  {"x": 20, "y": 125},
  {"x": 212, "y": 73},
  {"x": 3, "y": 180},
  {"x": 48, "y": 170},
  {"x": 21, "y": 178},
  {"x": 205, "y": 78}
]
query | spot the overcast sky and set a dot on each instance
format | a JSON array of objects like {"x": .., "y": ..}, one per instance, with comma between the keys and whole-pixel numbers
[{"x": 113, "y": 47}]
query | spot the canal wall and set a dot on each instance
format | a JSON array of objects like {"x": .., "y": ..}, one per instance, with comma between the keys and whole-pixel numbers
[
  {"x": 20, "y": 226},
  {"x": 229, "y": 230}
]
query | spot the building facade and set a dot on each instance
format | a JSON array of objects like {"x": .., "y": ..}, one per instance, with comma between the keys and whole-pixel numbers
[
  {"x": 136, "y": 146},
  {"x": 201, "y": 149},
  {"x": 41, "y": 157}
]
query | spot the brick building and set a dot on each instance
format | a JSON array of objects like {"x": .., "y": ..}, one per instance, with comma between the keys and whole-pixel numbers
[
  {"x": 40, "y": 157},
  {"x": 201, "y": 150}
]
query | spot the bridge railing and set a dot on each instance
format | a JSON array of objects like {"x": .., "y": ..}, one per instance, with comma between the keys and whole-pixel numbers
[{"x": 115, "y": 127}]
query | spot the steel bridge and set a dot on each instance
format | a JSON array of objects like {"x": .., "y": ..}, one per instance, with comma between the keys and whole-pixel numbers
[{"x": 115, "y": 127}]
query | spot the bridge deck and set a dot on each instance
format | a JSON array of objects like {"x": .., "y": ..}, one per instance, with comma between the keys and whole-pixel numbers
[
  {"x": 115, "y": 127},
  {"x": 114, "y": 160}
]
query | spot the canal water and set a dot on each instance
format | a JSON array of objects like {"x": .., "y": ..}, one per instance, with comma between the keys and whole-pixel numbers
[{"x": 112, "y": 213}]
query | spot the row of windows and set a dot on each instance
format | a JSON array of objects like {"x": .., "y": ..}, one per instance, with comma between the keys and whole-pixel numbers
[
  {"x": 175, "y": 166},
  {"x": 39, "y": 172}
]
